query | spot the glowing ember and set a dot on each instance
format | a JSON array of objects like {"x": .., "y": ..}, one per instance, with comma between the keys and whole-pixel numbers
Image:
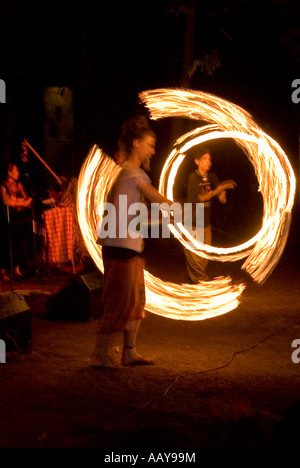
[{"x": 276, "y": 183}]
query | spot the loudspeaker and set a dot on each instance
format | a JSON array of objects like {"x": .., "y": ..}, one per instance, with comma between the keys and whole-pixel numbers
[
  {"x": 93, "y": 284},
  {"x": 15, "y": 322},
  {"x": 78, "y": 301}
]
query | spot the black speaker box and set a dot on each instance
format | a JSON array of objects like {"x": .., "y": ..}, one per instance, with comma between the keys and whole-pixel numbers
[
  {"x": 78, "y": 301},
  {"x": 15, "y": 322}
]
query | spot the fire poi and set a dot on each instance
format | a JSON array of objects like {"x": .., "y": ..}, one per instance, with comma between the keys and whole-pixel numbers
[{"x": 277, "y": 185}]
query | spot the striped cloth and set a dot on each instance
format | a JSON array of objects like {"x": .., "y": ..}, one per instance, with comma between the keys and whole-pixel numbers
[{"x": 59, "y": 226}]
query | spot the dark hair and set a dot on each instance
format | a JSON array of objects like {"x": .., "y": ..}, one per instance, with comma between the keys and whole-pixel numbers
[
  {"x": 202, "y": 151},
  {"x": 135, "y": 128}
]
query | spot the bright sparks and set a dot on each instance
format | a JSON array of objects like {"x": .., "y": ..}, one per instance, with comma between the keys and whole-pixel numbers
[
  {"x": 276, "y": 183},
  {"x": 185, "y": 302}
]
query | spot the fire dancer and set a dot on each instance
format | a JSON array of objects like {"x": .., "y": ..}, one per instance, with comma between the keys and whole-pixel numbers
[{"x": 123, "y": 295}]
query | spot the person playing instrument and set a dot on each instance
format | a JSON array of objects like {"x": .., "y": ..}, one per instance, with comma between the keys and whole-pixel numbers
[
  {"x": 14, "y": 202},
  {"x": 31, "y": 174}
]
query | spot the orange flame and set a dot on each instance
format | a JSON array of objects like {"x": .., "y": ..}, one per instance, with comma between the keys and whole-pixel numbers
[{"x": 276, "y": 183}]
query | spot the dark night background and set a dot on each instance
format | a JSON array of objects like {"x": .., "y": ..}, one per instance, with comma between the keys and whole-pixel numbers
[
  {"x": 227, "y": 382},
  {"x": 106, "y": 53}
]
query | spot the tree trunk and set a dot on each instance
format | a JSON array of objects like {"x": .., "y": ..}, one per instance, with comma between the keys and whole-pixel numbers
[{"x": 181, "y": 125}]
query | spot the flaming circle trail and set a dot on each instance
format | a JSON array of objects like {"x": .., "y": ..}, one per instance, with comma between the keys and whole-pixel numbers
[{"x": 276, "y": 183}]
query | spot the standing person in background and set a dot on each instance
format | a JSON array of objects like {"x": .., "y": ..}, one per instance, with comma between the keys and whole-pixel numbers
[
  {"x": 202, "y": 187},
  {"x": 16, "y": 200},
  {"x": 123, "y": 294}
]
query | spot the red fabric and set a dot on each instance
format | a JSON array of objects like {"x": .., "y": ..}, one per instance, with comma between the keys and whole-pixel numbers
[
  {"x": 123, "y": 294},
  {"x": 59, "y": 234}
]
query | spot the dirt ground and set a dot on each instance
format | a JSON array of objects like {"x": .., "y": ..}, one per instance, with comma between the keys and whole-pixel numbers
[{"x": 224, "y": 382}]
